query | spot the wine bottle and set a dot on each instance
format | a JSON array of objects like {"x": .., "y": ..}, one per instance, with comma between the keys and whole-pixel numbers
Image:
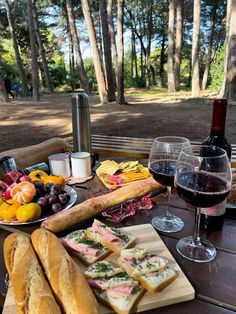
[{"x": 212, "y": 219}]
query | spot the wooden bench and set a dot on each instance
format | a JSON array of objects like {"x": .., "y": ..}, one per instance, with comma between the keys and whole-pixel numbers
[{"x": 129, "y": 146}]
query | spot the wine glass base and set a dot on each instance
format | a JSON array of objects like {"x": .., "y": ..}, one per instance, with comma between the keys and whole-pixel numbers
[
  {"x": 170, "y": 224},
  {"x": 200, "y": 253}
]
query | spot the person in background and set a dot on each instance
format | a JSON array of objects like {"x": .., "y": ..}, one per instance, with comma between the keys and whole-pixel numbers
[
  {"x": 7, "y": 84},
  {"x": 31, "y": 90},
  {"x": 15, "y": 88}
]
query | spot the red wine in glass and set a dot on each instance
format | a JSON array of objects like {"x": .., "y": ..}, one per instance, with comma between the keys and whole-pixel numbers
[
  {"x": 203, "y": 178},
  {"x": 163, "y": 171},
  {"x": 201, "y": 189}
]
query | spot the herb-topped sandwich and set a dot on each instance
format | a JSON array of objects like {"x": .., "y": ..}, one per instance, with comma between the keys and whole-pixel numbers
[
  {"x": 87, "y": 250},
  {"x": 112, "y": 238},
  {"x": 113, "y": 287},
  {"x": 150, "y": 270}
]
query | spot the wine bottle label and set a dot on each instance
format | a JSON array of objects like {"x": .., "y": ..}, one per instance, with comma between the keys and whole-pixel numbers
[{"x": 217, "y": 210}]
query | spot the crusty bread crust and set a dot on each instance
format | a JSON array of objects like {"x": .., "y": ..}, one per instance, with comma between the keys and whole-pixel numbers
[
  {"x": 31, "y": 290},
  {"x": 115, "y": 247},
  {"x": 65, "y": 277},
  {"x": 95, "y": 205}
]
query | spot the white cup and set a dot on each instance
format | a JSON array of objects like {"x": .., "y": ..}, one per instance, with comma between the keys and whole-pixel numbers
[
  {"x": 81, "y": 164},
  {"x": 60, "y": 164}
]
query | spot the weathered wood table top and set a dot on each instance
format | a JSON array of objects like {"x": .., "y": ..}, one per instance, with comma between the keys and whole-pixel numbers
[{"x": 214, "y": 282}]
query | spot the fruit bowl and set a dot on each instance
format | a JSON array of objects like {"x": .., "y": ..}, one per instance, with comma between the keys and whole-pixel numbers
[{"x": 73, "y": 197}]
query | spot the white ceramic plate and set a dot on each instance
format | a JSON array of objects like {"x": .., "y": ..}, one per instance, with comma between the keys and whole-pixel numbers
[{"x": 70, "y": 203}]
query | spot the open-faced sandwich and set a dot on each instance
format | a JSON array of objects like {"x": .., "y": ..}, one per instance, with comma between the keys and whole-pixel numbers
[
  {"x": 87, "y": 250},
  {"x": 150, "y": 270},
  {"x": 114, "y": 174},
  {"x": 113, "y": 287},
  {"x": 113, "y": 239}
]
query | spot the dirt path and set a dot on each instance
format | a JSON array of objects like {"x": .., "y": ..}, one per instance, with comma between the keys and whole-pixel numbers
[{"x": 24, "y": 122}]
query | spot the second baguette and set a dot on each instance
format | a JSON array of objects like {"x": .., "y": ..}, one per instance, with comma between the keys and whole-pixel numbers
[{"x": 66, "y": 279}]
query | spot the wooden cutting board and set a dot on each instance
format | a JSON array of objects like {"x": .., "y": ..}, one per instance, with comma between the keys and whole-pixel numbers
[{"x": 179, "y": 290}]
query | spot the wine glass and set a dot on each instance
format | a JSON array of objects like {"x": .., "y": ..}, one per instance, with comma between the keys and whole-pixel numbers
[
  {"x": 203, "y": 178},
  {"x": 163, "y": 156}
]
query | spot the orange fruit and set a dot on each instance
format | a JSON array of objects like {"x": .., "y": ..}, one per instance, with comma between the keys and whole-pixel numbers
[
  {"x": 37, "y": 175},
  {"x": 23, "y": 192},
  {"x": 8, "y": 210},
  {"x": 28, "y": 212},
  {"x": 58, "y": 180}
]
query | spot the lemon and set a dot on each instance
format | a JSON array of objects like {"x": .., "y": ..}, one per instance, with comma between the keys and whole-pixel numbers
[
  {"x": 28, "y": 212},
  {"x": 8, "y": 210}
]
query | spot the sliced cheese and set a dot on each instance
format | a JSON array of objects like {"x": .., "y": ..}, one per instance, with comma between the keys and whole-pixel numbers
[
  {"x": 137, "y": 252},
  {"x": 109, "y": 167},
  {"x": 128, "y": 165},
  {"x": 102, "y": 269}
]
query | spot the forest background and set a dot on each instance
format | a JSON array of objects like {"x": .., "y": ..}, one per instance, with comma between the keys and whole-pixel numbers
[
  {"x": 176, "y": 48},
  {"x": 175, "y": 44}
]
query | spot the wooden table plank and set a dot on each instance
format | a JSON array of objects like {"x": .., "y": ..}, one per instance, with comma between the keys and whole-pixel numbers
[{"x": 214, "y": 280}]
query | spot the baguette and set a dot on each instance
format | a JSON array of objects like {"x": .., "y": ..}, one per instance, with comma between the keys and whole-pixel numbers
[
  {"x": 91, "y": 207},
  {"x": 64, "y": 275},
  {"x": 31, "y": 290},
  {"x": 30, "y": 155}
]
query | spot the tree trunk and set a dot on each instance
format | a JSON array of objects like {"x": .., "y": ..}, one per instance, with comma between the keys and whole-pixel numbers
[
  {"x": 162, "y": 58},
  {"x": 112, "y": 33},
  {"x": 195, "y": 48},
  {"x": 229, "y": 87},
  {"x": 135, "y": 64},
  {"x": 42, "y": 52},
  {"x": 120, "y": 55},
  {"x": 3, "y": 92},
  {"x": 96, "y": 57},
  {"x": 107, "y": 51},
  {"x": 34, "y": 50},
  {"x": 149, "y": 42},
  {"x": 178, "y": 41},
  {"x": 76, "y": 44},
  {"x": 143, "y": 51},
  {"x": 132, "y": 56},
  {"x": 71, "y": 61},
  {"x": 170, "y": 62},
  {"x": 209, "y": 52},
  {"x": 16, "y": 50}
]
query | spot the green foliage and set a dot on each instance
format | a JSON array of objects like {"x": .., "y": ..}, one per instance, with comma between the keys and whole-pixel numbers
[
  {"x": 89, "y": 68},
  {"x": 57, "y": 70},
  {"x": 217, "y": 70}
]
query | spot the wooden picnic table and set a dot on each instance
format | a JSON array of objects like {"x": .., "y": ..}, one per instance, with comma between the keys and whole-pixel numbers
[{"x": 214, "y": 282}]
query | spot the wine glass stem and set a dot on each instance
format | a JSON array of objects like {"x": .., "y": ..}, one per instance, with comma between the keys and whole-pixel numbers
[
  {"x": 196, "y": 236},
  {"x": 168, "y": 214}
]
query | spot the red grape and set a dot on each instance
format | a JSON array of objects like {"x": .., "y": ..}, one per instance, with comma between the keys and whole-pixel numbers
[{"x": 56, "y": 207}]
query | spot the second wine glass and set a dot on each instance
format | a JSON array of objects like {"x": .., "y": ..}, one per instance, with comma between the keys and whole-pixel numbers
[{"x": 163, "y": 156}]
